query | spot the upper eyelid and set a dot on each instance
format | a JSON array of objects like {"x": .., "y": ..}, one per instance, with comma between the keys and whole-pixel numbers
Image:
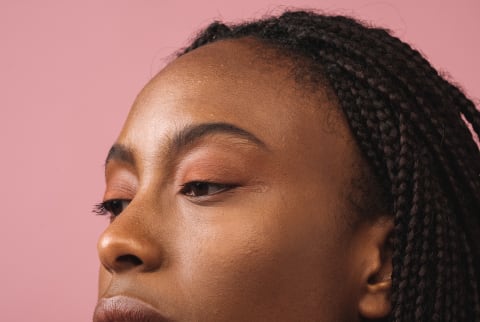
[
  {"x": 230, "y": 147},
  {"x": 208, "y": 145},
  {"x": 184, "y": 138},
  {"x": 200, "y": 162}
]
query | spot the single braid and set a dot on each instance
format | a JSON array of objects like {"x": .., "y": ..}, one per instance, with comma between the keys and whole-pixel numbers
[{"x": 412, "y": 127}]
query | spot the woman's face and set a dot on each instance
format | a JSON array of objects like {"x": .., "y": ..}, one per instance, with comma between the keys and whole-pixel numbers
[{"x": 234, "y": 183}]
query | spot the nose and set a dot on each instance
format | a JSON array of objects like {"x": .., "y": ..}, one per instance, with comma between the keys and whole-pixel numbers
[{"x": 126, "y": 246}]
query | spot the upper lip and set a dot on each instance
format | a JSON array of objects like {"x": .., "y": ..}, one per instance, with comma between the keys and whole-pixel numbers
[{"x": 125, "y": 309}]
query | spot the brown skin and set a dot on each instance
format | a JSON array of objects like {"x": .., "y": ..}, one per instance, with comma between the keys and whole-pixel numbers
[{"x": 278, "y": 245}]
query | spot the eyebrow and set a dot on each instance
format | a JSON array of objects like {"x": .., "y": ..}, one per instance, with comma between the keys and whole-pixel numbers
[
  {"x": 121, "y": 153},
  {"x": 185, "y": 137}
]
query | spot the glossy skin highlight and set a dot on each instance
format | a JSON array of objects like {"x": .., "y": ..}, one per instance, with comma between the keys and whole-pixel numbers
[{"x": 271, "y": 238}]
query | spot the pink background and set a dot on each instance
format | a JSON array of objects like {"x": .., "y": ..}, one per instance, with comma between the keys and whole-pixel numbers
[{"x": 68, "y": 74}]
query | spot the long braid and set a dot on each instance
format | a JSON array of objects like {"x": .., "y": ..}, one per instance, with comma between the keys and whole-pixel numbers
[{"x": 410, "y": 124}]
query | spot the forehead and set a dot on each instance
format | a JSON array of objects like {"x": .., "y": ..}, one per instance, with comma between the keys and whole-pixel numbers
[
  {"x": 227, "y": 77},
  {"x": 233, "y": 81},
  {"x": 237, "y": 60}
]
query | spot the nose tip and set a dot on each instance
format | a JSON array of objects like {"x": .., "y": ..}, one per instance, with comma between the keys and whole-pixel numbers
[{"x": 125, "y": 250}]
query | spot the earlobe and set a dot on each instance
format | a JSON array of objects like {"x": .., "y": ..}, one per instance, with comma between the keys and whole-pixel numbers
[{"x": 374, "y": 301}]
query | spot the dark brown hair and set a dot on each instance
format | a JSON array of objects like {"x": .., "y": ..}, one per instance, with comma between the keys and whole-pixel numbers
[{"x": 412, "y": 127}]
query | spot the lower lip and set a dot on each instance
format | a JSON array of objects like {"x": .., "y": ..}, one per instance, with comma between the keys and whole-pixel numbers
[{"x": 125, "y": 309}]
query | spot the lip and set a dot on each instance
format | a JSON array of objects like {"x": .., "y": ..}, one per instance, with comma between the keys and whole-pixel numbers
[{"x": 125, "y": 309}]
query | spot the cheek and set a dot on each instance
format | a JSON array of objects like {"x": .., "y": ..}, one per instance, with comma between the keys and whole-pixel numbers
[{"x": 259, "y": 260}]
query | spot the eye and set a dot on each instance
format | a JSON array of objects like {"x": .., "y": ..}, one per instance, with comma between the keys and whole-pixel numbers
[
  {"x": 113, "y": 207},
  {"x": 201, "y": 188}
]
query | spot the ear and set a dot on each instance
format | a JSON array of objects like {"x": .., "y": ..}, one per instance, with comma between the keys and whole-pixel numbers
[{"x": 376, "y": 282}]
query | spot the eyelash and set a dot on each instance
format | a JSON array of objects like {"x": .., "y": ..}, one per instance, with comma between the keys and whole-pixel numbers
[
  {"x": 189, "y": 188},
  {"x": 110, "y": 207}
]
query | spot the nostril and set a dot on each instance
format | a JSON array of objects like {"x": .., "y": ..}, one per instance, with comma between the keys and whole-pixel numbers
[
  {"x": 128, "y": 261},
  {"x": 121, "y": 251}
]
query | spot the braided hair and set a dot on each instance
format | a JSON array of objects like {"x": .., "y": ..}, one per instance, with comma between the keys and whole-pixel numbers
[{"x": 412, "y": 127}]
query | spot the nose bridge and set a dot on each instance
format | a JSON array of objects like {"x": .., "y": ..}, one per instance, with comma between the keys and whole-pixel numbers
[{"x": 128, "y": 244}]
